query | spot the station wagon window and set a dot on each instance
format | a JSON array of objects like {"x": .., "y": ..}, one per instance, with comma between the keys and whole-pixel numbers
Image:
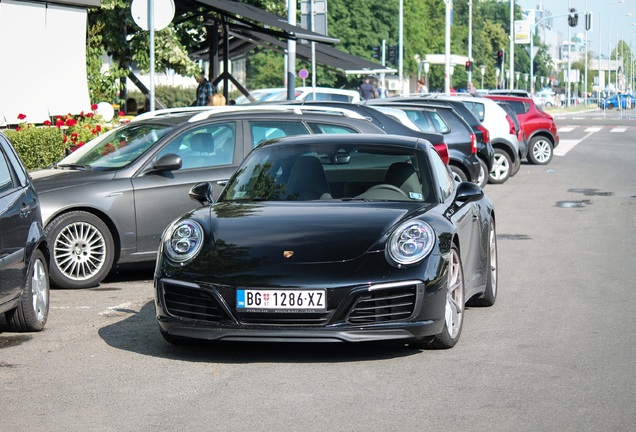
[
  {"x": 207, "y": 146},
  {"x": 330, "y": 128},
  {"x": 477, "y": 109},
  {"x": 266, "y": 130}
]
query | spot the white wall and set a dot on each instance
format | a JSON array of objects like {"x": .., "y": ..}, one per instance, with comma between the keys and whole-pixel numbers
[{"x": 43, "y": 71}]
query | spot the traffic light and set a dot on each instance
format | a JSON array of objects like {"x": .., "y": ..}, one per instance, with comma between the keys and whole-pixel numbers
[
  {"x": 499, "y": 58},
  {"x": 392, "y": 54},
  {"x": 376, "y": 52},
  {"x": 469, "y": 66},
  {"x": 588, "y": 21},
  {"x": 573, "y": 18}
]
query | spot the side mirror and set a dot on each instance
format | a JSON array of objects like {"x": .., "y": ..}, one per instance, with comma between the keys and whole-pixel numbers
[
  {"x": 168, "y": 162},
  {"x": 467, "y": 191},
  {"x": 202, "y": 192}
]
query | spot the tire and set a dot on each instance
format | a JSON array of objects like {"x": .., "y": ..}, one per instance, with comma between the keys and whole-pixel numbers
[
  {"x": 33, "y": 310},
  {"x": 540, "y": 151},
  {"x": 82, "y": 250},
  {"x": 610, "y": 106},
  {"x": 454, "y": 313},
  {"x": 501, "y": 167},
  {"x": 489, "y": 295},
  {"x": 482, "y": 180},
  {"x": 515, "y": 167},
  {"x": 458, "y": 174}
]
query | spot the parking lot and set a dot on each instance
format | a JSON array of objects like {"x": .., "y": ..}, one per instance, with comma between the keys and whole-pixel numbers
[{"x": 554, "y": 353}]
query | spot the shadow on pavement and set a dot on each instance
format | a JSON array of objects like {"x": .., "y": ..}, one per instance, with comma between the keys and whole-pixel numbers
[{"x": 139, "y": 333}]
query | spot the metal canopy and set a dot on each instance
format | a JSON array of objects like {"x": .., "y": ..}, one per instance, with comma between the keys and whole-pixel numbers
[{"x": 250, "y": 27}]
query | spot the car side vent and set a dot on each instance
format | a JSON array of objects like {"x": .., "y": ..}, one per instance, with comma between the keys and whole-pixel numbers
[
  {"x": 383, "y": 306},
  {"x": 191, "y": 303}
]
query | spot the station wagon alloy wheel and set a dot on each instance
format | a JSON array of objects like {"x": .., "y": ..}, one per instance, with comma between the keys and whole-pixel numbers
[
  {"x": 501, "y": 168},
  {"x": 82, "y": 250}
]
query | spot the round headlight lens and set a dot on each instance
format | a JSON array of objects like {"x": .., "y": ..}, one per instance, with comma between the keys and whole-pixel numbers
[
  {"x": 183, "y": 240},
  {"x": 411, "y": 242}
]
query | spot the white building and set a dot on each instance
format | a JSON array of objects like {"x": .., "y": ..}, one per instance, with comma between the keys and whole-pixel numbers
[{"x": 43, "y": 71}]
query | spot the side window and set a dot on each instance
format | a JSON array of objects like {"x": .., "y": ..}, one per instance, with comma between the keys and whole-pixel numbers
[
  {"x": 519, "y": 107},
  {"x": 207, "y": 146},
  {"x": 442, "y": 175},
  {"x": 325, "y": 128},
  {"x": 6, "y": 180},
  {"x": 440, "y": 124},
  {"x": 477, "y": 109},
  {"x": 418, "y": 117},
  {"x": 266, "y": 130}
]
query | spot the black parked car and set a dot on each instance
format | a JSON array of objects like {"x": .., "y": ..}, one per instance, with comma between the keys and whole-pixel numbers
[
  {"x": 330, "y": 238},
  {"x": 24, "y": 256},
  {"x": 458, "y": 135},
  {"x": 106, "y": 203}
]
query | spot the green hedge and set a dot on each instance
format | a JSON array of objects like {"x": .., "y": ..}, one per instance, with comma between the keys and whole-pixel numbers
[{"x": 38, "y": 147}]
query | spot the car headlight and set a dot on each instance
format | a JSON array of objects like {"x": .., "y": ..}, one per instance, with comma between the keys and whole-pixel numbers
[
  {"x": 411, "y": 242},
  {"x": 183, "y": 240}
]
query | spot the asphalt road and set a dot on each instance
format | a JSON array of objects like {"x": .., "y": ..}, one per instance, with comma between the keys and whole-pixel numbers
[{"x": 556, "y": 352}]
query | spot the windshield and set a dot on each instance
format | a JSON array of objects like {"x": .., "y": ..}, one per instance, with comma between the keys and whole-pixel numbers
[
  {"x": 117, "y": 148},
  {"x": 330, "y": 171}
]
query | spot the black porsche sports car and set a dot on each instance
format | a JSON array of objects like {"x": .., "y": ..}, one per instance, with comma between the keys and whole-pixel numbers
[{"x": 330, "y": 238}]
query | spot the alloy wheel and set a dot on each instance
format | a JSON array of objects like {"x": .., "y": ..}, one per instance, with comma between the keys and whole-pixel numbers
[{"x": 79, "y": 251}]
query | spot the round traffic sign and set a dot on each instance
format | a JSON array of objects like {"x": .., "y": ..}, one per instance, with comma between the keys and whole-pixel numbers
[
  {"x": 303, "y": 74},
  {"x": 162, "y": 16}
]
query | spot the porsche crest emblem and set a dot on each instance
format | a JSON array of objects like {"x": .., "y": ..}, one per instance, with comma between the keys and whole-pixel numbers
[{"x": 288, "y": 254}]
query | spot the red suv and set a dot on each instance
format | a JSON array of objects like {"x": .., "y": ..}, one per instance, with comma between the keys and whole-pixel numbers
[{"x": 537, "y": 125}]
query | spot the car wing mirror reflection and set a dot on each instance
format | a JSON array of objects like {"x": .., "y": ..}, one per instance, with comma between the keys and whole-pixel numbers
[{"x": 202, "y": 192}]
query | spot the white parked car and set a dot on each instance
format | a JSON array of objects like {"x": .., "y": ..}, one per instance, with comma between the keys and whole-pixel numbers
[
  {"x": 545, "y": 98},
  {"x": 302, "y": 93}
]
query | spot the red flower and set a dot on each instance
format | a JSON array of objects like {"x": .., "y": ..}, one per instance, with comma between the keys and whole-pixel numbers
[
  {"x": 98, "y": 128},
  {"x": 18, "y": 128},
  {"x": 121, "y": 114},
  {"x": 94, "y": 107},
  {"x": 79, "y": 144},
  {"x": 71, "y": 122},
  {"x": 90, "y": 115},
  {"x": 81, "y": 114},
  {"x": 65, "y": 139},
  {"x": 59, "y": 122},
  {"x": 47, "y": 123},
  {"x": 21, "y": 116}
]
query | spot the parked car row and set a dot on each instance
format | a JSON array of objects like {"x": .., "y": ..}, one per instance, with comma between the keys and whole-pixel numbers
[{"x": 108, "y": 203}]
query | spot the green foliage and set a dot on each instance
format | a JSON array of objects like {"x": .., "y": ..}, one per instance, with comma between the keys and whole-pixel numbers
[
  {"x": 170, "y": 97},
  {"x": 102, "y": 86},
  {"x": 38, "y": 147}
]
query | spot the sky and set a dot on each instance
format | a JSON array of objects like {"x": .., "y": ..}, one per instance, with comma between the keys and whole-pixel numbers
[{"x": 616, "y": 18}]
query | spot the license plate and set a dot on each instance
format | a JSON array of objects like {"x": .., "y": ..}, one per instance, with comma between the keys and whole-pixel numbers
[{"x": 281, "y": 300}]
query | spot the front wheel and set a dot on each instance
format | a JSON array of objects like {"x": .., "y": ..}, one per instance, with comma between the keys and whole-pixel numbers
[
  {"x": 540, "y": 152},
  {"x": 454, "y": 310},
  {"x": 501, "y": 167},
  {"x": 82, "y": 250},
  {"x": 33, "y": 310}
]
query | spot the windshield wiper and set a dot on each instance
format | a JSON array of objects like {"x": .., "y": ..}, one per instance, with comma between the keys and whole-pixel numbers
[{"x": 81, "y": 167}]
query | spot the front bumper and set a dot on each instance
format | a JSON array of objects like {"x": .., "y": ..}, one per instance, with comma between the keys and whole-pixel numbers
[{"x": 404, "y": 312}]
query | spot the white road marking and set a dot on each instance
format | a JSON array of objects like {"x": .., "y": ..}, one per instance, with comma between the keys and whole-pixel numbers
[
  {"x": 565, "y": 145},
  {"x": 619, "y": 129},
  {"x": 566, "y": 129},
  {"x": 593, "y": 129}
]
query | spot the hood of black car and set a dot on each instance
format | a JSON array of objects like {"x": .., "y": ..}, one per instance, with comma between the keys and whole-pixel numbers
[
  {"x": 51, "y": 179},
  {"x": 303, "y": 232}
]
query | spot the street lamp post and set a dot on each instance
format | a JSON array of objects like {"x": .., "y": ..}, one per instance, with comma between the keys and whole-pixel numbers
[
  {"x": 482, "y": 69},
  {"x": 427, "y": 67},
  {"x": 447, "y": 65}
]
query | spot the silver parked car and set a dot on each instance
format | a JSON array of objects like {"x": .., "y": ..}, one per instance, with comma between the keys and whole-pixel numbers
[{"x": 107, "y": 203}]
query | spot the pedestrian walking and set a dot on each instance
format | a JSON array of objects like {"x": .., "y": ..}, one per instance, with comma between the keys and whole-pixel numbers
[
  {"x": 205, "y": 91},
  {"x": 367, "y": 91}
]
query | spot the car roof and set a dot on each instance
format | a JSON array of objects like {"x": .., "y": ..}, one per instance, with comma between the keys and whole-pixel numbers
[{"x": 387, "y": 139}]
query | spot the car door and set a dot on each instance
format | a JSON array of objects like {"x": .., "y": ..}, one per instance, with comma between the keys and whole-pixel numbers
[
  {"x": 17, "y": 207},
  {"x": 209, "y": 152}
]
